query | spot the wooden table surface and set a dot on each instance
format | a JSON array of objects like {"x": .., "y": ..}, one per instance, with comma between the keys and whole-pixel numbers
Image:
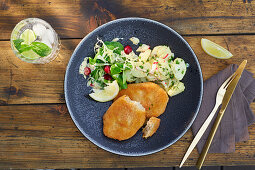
[{"x": 36, "y": 130}]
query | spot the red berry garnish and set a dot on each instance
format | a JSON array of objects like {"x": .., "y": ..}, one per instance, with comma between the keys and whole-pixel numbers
[
  {"x": 107, "y": 77},
  {"x": 107, "y": 69},
  {"x": 128, "y": 49},
  {"x": 87, "y": 71}
]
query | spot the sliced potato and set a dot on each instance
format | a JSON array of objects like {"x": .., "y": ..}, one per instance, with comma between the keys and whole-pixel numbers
[
  {"x": 138, "y": 73},
  {"x": 155, "y": 50},
  {"x": 143, "y": 47},
  {"x": 151, "y": 77},
  {"x": 179, "y": 68},
  {"x": 177, "y": 88},
  {"x": 147, "y": 66},
  {"x": 145, "y": 55},
  {"x": 134, "y": 40},
  {"x": 164, "y": 51},
  {"x": 161, "y": 51},
  {"x": 163, "y": 84}
]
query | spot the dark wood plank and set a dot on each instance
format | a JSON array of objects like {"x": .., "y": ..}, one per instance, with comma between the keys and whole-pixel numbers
[
  {"x": 44, "y": 136},
  {"x": 152, "y": 168},
  {"x": 24, "y": 83},
  {"x": 203, "y": 168},
  {"x": 18, "y": 78},
  {"x": 98, "y": 169},
  {"x": 75, "y": 19},
  {"x": 238, "y": 168}
]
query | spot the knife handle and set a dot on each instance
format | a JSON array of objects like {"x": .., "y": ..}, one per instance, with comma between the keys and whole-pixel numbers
[{"x": 207, "y": 145}]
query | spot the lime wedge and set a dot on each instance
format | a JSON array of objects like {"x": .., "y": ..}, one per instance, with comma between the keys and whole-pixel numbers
[
  {"x": 28, "y": 36},
  {"x": 30, "y": 55},
  {"x": 214, "y": 49},
  {"x": 107, "y": 94}
]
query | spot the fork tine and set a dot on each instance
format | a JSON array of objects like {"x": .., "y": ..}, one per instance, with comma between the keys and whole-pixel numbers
[
  {"x": 227, "y": 81},
  {"x": 230, "y": 79}
]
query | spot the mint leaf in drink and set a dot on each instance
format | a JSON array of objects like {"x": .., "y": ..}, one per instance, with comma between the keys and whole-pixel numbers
[
  {"x": 24, "y": 47},
  {"x": 17, "y": 43},
  {"x": 41, "y": 49},
  {"x": 21, "y": 47}
]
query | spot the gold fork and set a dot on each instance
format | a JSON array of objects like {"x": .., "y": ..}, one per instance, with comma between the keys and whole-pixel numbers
[{"x": 219, "y": 97}]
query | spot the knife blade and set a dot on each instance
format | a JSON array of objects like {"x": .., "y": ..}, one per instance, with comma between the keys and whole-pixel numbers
[{"x": 226, "y": 99}]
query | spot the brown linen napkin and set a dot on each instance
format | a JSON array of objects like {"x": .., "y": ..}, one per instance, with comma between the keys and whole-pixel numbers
[{"x": 238, "y": 115}]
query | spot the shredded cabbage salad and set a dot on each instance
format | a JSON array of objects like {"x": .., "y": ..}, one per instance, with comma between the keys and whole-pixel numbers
[{"x": 114, "y": 62}]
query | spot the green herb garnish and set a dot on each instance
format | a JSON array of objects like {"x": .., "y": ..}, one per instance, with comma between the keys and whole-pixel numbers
[{"x": 114, "y": 45}]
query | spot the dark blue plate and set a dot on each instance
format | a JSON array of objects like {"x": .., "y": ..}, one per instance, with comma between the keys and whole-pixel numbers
[{"x": 180, "y": 112}]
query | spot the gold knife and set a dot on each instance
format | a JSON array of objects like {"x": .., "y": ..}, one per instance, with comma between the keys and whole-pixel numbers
[{"x": 226, "y": 99}]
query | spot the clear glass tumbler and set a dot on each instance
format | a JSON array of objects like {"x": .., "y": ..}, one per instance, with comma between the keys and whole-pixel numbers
[{"x": 33, "y": 40}]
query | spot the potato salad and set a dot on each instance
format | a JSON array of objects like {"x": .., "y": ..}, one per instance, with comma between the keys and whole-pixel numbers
[{"x": 113, "y": 61}]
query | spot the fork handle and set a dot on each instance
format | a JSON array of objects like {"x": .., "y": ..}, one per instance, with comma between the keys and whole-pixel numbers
[
  {"x": 200, "y": 133},
  {"x": 207, "y": 145},
  {"x": 207, "y": 122}
]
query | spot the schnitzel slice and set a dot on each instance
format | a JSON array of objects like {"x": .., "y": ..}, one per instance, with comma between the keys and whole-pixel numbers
[
  {"x": 153, "y": 98},
  {"x": 123, "y": 118},
  {"x": 151, "y": 127}
]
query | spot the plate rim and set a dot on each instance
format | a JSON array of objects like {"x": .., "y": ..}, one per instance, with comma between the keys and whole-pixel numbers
[{"x": 102, "y": 146}]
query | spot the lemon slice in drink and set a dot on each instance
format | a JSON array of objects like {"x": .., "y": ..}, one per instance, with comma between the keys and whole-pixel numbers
[
  {"x": 214, "y": 49},
  {"x": 28, "y": 36},
  {"x": 107, "y": 94}
]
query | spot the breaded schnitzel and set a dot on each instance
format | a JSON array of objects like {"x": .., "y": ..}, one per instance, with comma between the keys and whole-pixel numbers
[
  {"x": 123, "y": 118},
  {"x": 153, "y": 98},
  {"x": 151, "y": 127}
]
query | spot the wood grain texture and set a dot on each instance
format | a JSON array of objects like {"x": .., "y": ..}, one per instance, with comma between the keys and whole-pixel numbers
[
  {"x": 21, "y": 81},
  {"x": 24, "y": 83},
  {"x": 44, "y": 136},
  {"x": 74, "y": 18}
]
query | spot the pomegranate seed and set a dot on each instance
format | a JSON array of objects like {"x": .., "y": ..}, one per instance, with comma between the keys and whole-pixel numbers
[
  {"x": 107, "y": 69},
  {"x": 87, "y": 71},
  {"x": 107, "y": 77},
  {"x": 128, "y": 49}
]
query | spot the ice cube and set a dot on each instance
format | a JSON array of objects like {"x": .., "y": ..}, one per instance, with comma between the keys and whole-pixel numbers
[
  {"x": 50, "y": 35},
  {"x": 46, "y": 41},
  {"x": 39, "y": 29}
]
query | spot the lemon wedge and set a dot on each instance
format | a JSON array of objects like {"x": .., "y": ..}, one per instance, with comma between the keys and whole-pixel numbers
[
  {"x": 107, "y": 94},
  {"x": 28, "y": 36},
  {"x": 214, "y": 49}
]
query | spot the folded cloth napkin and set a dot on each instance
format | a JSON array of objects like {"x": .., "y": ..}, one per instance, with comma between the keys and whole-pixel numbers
[{"x": 237, "y": 117}]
